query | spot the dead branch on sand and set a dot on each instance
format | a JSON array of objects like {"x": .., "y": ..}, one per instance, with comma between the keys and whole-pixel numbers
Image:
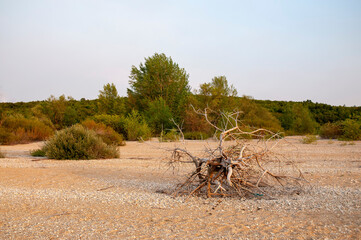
[{"x": 243, "y": 166}]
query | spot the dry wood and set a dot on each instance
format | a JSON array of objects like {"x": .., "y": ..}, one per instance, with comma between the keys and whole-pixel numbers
[
  {"x": 242, "y": 164},
  {"x": 105, "y": 188}
]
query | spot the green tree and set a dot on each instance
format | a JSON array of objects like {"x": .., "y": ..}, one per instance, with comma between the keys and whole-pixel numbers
[
  {"x": 218, "y": 95},
  {"x": 159, "y": 115},
  {"x": 159, "y": 77},
  {"x": 136, "y": 127},
  {"x": 61, "y": 111},
  {"x": 109, "y": 100},
  {"x": 254, "y": 115},
  {"x": 55, "y": 109},
  {"x": 303, "y": 122}
]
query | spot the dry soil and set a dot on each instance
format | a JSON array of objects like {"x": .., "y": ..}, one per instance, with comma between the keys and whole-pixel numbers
[{"x": 126, "y": 198}]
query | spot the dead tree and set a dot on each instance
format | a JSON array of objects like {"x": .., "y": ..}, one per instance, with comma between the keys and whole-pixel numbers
[{"x": 237, "y": 165}]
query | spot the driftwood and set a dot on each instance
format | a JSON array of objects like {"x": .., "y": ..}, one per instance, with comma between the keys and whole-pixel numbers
[{"x": 237, "y": 165}]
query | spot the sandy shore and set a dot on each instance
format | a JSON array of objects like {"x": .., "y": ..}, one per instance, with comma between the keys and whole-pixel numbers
[{"x": 123, "y": 198}]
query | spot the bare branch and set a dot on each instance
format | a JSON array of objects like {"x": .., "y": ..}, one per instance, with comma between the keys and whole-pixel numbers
[{"x": 237, "y": 166}]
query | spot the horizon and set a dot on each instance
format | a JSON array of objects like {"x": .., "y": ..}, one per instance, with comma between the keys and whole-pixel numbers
[
  {"x": 87, "y": 99},
  {"x": 291, "y": 51}
]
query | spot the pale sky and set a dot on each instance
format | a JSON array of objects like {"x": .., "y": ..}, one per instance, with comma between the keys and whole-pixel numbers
[{"x": 277, "y": 50}]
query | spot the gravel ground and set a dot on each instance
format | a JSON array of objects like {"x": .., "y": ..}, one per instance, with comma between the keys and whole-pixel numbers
[{"x": 124, "y": 198}]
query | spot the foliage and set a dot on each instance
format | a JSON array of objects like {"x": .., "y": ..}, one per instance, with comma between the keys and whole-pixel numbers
[
  {"x": 159, "y": 77},
  {"x": 77, "y": 142},
  {"x": 55, "y": 110},
  {"x": 7, "y": 137},
  {"x": 64, "y": 112},
  {"x": 38, "y": 153},
  {"x": 116, "y": 122},
  {"x": 170, "y": 136},
  {"x": 18, "y": 129},
  {"x": 109, "y": 100},
  {"x": 23, "y": 108},
  {"x": 196, "y": 135},
  {"x": 351, "y": 130},
  {"x": 2, "y": 155},
  {"x": 136, "y": 127},
  {"x": 321, "y": 113},
  {"x": 194, "y": 122},
  {"x": 255, "y": 116},
  {"x": 330, "y": 131},
  {"x": 302, "y": 122},
  {"x": 308, "y": 139},
  {"x": 108, "y": 135},
  {"x": 217, "y": 95},
  {"x": 36, "y": 112},
  {"x": 159, "y": 91},
  {"x": 159, "y": 115}
]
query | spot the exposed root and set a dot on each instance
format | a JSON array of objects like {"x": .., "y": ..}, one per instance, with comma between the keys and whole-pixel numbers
[{"x": 243, "y": 166}]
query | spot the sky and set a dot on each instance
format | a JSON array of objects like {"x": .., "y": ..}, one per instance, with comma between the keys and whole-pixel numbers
[{"x": 275, "y": 50}]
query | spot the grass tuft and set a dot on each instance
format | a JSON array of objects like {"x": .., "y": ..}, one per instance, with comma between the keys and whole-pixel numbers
[
  {"x": 308, "y": 139},
  {"x": 38, "y": 153}
]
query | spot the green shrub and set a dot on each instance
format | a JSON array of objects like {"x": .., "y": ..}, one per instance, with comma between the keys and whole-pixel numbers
[
  {"x": 18, "y": 129},
  {"x": 351, "y": 130},
  {"x": 330, "y": 131},
  {"x": 308, "y": 139},
  {"x": 114, "y": 121},
  {"x": 107, "y": 133},
  {"x": 6, "y": 136},
  {"x": 196, "y": 135},
  {"x": 170, "y": 136},
  {"x": 38, "y": 153},
  {"x": 302, "y": 122},
  {"x": 136, "y": 127},
  {"x": 77, "y": 142}
]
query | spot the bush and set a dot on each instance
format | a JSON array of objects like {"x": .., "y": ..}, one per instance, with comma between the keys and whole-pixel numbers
[
  {"x": 6, "y": 136},
  {"x": 114, "y": 121},
  {"x": 330, "y": 131},
  {"x": 77, "y": 142},
  {"x": 194, "y": 122},
  {"x": 196, "y": 135},
  {"x": 18, "y": 129},
  {"x": 351, "y": 130},
  {"x": 170, "y": 136},
  {"x": 38, "y": 153},
  {"x": 136, "y": 127},
  {"x": 302, "y": 122},
  {"x": 308, "y": 139},
  {"x": 107, "y": 133}
]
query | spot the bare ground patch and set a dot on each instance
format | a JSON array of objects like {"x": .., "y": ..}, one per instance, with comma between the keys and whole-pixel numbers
[{"x": 124, "y": 198}]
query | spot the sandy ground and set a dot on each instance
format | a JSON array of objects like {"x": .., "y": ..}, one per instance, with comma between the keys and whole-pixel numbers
[{"x": 123, "y": 198}]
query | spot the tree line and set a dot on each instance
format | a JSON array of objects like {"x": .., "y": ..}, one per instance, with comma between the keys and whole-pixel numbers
[{"x": 158, "y": 96}]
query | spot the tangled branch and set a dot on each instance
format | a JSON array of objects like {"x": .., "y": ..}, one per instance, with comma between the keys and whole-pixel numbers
[{"x": 234, "y": 167}]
